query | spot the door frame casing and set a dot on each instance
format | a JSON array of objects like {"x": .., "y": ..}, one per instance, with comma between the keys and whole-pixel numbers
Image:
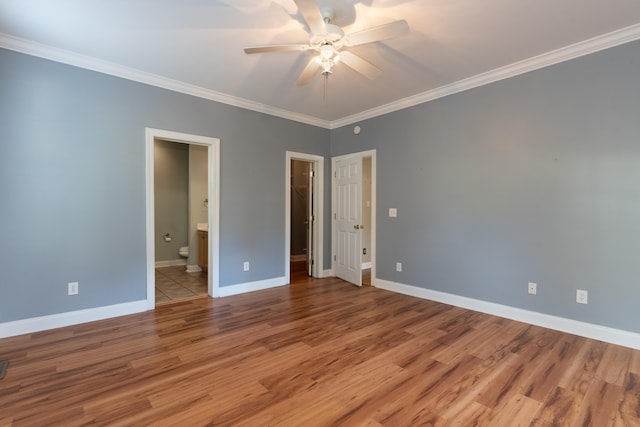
[
  {"x": 213, "y": 194},
  {"x": 362, "y": 155},
  {"x": 318, "y": 201}
]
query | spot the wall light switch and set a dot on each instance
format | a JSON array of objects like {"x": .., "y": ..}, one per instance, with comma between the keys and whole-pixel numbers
[
  {"x": 246, "y": 266},
  {"x": 393, "y": 212},
  {"x": 72, "y": 288},
  {"x": 533, "y": 288},
  {"x": 398, "y": 266},
  {"x": 582, "y": 296}
]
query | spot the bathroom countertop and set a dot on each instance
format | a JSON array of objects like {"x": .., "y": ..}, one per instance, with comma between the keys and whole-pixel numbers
[{"x": 203, "y": 226}]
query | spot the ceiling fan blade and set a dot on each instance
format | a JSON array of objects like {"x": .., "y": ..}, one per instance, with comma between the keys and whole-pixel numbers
[
  {"x": 276, "y": 48},
  {"x": 311, "y": 14},
  {"x": 360, "y": 65},
  {"x": 308, "y": 72},
  {"x": 382, "y": 32}
]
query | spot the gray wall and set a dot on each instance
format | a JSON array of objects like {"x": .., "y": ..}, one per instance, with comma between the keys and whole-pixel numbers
[
  {"x": 72, "y": 184},
  {"x": 534, "y": 178},
  {"x": 171, "y": 181}
]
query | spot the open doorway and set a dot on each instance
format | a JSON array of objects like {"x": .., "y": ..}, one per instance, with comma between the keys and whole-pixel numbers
[
  {"x": 207, "y": 199},
  {"x": 181, "y": 212},
  {"x": 366, "y": 221},
  {"x": 304, "y": 205},
  {"x": 302, "y": 217}
]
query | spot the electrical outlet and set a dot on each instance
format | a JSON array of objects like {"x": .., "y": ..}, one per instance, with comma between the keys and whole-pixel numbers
[
  {"x": 72, "y": 288},
  {"x": 398, "y": 266},
  {"x": 246, "y": 266},
  {"x": 582, "y": 296},
  {"x": 393, "y": 212},
  {"x": 533, "y": 288}
]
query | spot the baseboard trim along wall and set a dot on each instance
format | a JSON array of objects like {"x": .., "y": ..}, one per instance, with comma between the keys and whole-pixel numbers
[
  {"x": 328, "y": 273},
  {"x": 60, "y": 320},
  {"x": 225, "y": 291},
  {"x": 588, "y": 330},
  {"x": 170, "y": 263},
  {"x": 43, "y": 323},
  {"x": 575, "y": 327}
]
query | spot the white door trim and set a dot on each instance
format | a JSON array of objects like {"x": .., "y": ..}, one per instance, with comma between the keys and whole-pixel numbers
[
  {"x": 362, "y": 154},
  {"x": 318, "y": 223},
  {"x": 213, "y": 145}
]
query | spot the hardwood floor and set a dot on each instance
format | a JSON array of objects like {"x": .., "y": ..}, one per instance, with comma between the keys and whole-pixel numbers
[{"x": 317, "y": 353}]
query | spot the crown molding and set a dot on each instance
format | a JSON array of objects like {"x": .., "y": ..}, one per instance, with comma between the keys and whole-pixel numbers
[
  {"x": 94, "y": 64},
  {"x": 576, "y": 50}
]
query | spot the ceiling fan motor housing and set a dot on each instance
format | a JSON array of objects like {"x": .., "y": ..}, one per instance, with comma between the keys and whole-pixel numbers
[{"x": 333, "y": 34}]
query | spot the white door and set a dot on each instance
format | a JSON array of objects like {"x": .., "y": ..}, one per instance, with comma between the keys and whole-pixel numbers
[
  {"x": 310, "y": 219},
  {"x": 348, "y": 218}
]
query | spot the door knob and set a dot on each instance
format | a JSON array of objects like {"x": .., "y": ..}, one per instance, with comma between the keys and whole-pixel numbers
[{"x": 358, "y": 227}]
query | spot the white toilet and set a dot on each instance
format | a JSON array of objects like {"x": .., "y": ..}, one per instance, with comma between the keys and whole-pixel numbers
[{"x": 184, "y": 251}]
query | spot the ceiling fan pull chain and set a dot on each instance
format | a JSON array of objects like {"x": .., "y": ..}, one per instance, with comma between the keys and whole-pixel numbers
[{"x": 326, "y": 83}]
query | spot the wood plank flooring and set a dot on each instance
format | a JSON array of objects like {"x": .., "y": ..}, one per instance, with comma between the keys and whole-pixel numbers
[{"x": 316, "y": 353}]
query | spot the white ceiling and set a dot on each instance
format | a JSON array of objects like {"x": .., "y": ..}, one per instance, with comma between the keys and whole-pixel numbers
[{"x": 196, "y": 46}]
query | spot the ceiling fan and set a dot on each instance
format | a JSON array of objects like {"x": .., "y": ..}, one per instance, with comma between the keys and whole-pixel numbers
[{"x": 329, "y": 41}]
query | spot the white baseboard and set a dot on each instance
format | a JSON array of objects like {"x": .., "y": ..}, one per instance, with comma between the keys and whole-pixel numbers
[
  {"x": 43, "y": 323},
  {"x": 328, "y": 273},
  {"x": 171, "y": 263},
  {"x": 366, "y": 265},
  {"x": 193, "y": 269},
  {"x": 588, "y": 330},
  {"x": 225, "y": 291}
]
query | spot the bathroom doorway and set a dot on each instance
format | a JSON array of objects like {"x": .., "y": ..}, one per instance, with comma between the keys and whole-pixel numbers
[
  {"x": 181, "y": 211},
  {"x": 182, "y": 206},
  {"x": 304, "y": 215}
]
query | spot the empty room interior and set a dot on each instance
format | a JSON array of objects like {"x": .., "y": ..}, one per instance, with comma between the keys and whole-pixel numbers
[{"x": 301, "y": 212}]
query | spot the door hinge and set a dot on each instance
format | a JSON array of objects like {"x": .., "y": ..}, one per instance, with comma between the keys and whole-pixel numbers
[
  {"x": 334, "y": 258},
  {"x": 312, "y": 218},
  {"x": 335, "y": 216},
  {"x": 312, "y": 173},
  {"x": 313, "y": 262},
  {"x": 335, "y": 174}
]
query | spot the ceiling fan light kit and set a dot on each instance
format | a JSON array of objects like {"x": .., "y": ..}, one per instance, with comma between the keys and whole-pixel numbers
[{"x": 328, "y": 40}]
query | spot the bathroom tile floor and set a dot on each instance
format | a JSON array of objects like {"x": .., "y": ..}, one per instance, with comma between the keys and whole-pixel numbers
[{"x": 174, "y": 283}]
